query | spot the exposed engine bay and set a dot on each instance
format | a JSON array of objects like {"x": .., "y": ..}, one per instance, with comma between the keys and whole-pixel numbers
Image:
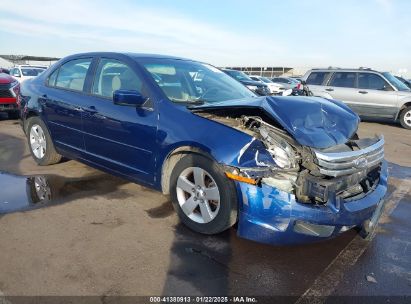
[{"x": 348, "y": 171}]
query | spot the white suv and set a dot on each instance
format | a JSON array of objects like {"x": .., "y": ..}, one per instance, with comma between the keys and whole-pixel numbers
[
  {"x": 24, "y": 72},
  {"x": 369, "y": 93}
]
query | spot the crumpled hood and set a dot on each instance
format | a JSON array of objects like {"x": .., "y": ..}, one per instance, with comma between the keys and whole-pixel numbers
[{"x": 312, "y": 121}]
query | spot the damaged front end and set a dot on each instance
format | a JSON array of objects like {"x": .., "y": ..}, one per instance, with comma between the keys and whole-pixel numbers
[{"x": 293, "y": 193}]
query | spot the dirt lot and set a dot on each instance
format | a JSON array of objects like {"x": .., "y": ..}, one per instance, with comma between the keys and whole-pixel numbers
[{"x": 105, "y": 236}]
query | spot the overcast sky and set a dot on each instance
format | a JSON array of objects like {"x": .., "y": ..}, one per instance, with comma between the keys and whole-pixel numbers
[{"x": 305, "y": 33}]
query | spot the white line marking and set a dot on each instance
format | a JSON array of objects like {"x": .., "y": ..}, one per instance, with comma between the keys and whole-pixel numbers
[{"x": 330, "y": 278}]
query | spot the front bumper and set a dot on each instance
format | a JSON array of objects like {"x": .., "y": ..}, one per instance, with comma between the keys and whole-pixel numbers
[
  {"x": 8, "y": 104},
  {"x": 269, "y": 215}
]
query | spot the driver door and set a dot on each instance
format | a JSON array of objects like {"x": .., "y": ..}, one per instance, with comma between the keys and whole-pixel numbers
[{"x": 122, "y": 138}]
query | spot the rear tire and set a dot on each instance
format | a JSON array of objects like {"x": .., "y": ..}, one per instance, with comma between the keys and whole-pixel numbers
[
  {"x": 40, "y": 143},
  {"x": 203, "y": 197},
  {"x": 405, "y": 118}
]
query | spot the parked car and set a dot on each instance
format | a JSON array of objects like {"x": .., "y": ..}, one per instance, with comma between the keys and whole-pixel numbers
[
  {"x": 4, "y": 70},
  {"x": 256, "y": 86},
  {"x": 274, "y": 88},
  {"x": 369, "y": 93},
  {"x": 404, "y": 81},
  {"x": 287, "y": 169},
  {"x": 24, "y": 72},
  {"x": 9, "y": 95},
  {"x": 286, "y": 82}
]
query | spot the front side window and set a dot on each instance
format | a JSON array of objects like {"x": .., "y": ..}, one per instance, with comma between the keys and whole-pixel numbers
[
  {"x": 113, "y": 75},
  {"x": 343, "y": 80},
  {"x": 194, "y": 82},
  {"x": 317, "y": 78},
  {"x": 371, "y": 81},
  {"x": 72, "y": 74}
]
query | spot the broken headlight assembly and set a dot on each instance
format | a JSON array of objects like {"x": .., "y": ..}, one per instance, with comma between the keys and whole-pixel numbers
[{"x": 280, "y": 150}]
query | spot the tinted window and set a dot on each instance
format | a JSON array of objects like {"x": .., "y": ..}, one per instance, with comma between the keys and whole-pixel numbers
[
  {"x": 317, "y": 78},
  {"x": 280, "y": 80},
  {"x": 371, "y": 81},
  {"x": 343, "y": 79},
  {"x": 15, "y": 72},
  {"x": 113, "y": 75},
  {"x": 31, "y": 71},
  {"x": 72, "y": 74},
  {"x": 52, "y": 78}
]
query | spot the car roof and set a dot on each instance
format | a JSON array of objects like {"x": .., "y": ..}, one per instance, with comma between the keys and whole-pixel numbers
[
  {"x": 345, "y": 70},
  {"x": 129, "y": 54}
]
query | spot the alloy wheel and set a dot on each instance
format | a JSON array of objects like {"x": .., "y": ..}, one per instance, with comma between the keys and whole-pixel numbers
[
  {"x": 407, "y": 118},
  {"x": 38, "y": 141},
  {"x": 198, "y": 195}
]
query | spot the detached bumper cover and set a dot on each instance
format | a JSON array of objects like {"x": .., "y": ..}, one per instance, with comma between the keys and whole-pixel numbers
[{"x": 271, "y": 216}]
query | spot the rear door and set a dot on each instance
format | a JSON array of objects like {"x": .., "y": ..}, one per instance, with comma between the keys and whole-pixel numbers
[
  {"x": 343, "y": 86},
  {"x": 122, "y": 138},
  {"x": 63, "y": 101},
  {"x": 375, "y": 97}
]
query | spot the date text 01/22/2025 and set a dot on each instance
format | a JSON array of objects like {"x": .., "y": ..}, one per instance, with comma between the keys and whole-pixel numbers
[{"x": 203, "y": 299}]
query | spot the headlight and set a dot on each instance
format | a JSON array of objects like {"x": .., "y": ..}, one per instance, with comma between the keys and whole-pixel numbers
[
  {"x": 252, "y": 88},
  {"x": 283, "y": 156},
  {"x": 281, "y": 151}
]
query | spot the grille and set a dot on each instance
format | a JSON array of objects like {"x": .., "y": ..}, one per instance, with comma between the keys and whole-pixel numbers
[
  {"x": 5, "y": 93},
  {"x": 343, "y": 163}
]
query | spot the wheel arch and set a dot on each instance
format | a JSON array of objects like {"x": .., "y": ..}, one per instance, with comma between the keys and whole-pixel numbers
[
  {"x": 404, "y": 105},
  {"x": 171, "y": 160}
]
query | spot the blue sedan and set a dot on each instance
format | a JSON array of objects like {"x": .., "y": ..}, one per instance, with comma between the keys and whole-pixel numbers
[{"x": 287, "y": 169}]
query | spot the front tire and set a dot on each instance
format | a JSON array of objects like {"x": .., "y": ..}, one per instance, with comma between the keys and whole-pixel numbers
[
  {"x": 405, "y": 118},
  {"x": 40, "y": 144},
  {"x": 204, "y": 199}
]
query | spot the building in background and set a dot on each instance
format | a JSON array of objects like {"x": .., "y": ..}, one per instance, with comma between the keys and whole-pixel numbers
[{"x": 8, "y": 61}]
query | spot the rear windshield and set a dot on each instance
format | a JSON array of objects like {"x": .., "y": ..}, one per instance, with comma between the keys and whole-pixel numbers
[{"x": 31, "y": 71}]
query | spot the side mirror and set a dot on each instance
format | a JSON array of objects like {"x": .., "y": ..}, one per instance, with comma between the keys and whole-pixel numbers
[
  {"x": 303, "y": 82},
  {"x": 129, "y": 98}
]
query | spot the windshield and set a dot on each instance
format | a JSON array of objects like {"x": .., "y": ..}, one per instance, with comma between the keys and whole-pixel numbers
[
  {"x": 31, "y": 71},
  {"x": 194, "y": 82},
  {"x": 240, "y": 76},
  {"x": 265, "y": 79},
  {"x": 395, "y": 82}
]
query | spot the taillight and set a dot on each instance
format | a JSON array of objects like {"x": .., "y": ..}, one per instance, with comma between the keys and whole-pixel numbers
[{"x": 299, "y": 86}]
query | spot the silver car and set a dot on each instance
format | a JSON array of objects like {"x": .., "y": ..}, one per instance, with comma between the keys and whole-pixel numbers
[{"x": 369, "y": 93}]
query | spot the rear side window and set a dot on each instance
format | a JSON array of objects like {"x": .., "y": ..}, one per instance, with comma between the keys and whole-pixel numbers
[
  {"x": 112, "y": 75},
  {"x": 72, "y": 74},
  {"x": 371, "y": 81},
  {"x": 343, "y": 80},
  {"x": 317, "y": 78}
]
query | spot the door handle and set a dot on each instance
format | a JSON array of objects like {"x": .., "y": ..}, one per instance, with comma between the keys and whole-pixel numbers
[
  {"x": 363, "y": 92},
  {"x": 329, "y": 89}
]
